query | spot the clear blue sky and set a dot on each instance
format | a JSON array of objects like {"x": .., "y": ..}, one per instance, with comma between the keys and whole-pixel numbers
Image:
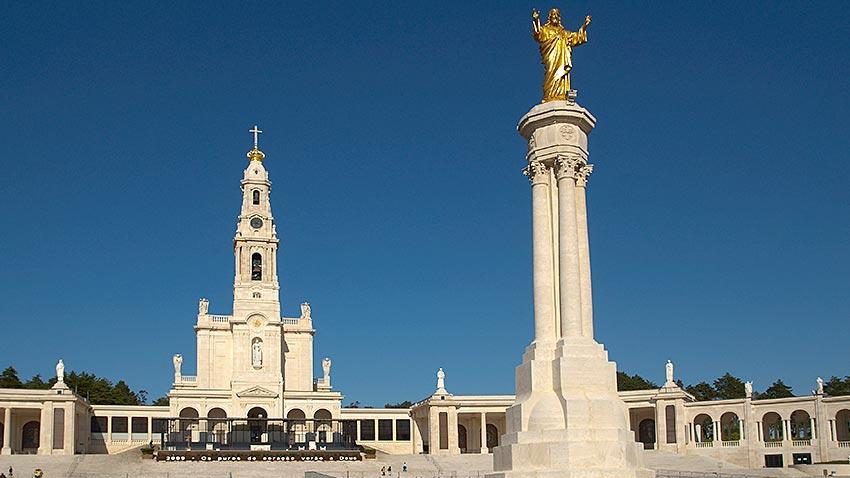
[{"x": 719, "y": 204}]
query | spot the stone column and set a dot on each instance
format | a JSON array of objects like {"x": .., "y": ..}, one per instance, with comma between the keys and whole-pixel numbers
[
  {"x": 568, "y": 254},
  {"x": 786, "y": 430},
  {"x": 484, "y": 449},
  {"x": 433, "y": 431},
  {"x": 542, "y": 252},
  {"x": 45, "y": 436},
  {"x": 742, "y": 434},
  {"x": 452, "y": 429},
  {"x": 70, "y": 428},
  {"x": 760, "y": 432},
  {"x": 584, "y": 249},
  {"x": 717, "y": 433},
  {"x": 691, "y": 433},
  {"x": 813, "y": 433},
  {"x": 698, "y": 432},
  {"x": 7, "y": 431}
]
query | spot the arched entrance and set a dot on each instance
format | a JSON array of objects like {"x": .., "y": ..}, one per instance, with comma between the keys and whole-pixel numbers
[
  {"x": 217, "y": 425},
  {"x": 296, "y": 426},
  {"x": 30, "y": 436},
  {"x": 730, "y": 427},
  {"x": 492, "y": 436},
  {"x": 771, "y": 424},
  {"x": 646, "y": 433},
  {"x": 188, "y": 423},
  {"x": 257, "y": 424},
  {"x": 322, "y": 424},
  {"x": 461, "y": 438}
]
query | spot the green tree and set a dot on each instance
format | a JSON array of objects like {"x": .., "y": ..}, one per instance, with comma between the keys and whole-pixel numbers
[
  {"x": 38, "y": 384},
  {"x": 702, "y": 392},
  {"x": 633, "y": 382},
  {"x": 404, "y": 404},
  {"x": 728, "y": 386},
  {"x": 160, "y": 402},
  {"x": 777, "y": 389},
  {"x": 9, "y": 378},
  {"x": 354, "y": 404},
  {"x": 122, "y": 395},
  {"x": 835, "y": 386}
]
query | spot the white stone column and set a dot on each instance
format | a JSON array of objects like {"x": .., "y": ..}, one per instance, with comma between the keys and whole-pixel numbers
[
  {"x": 542, "y": 251},
  {"x": 109, "y": 429},
  {"x": 70, "y": 428},
  {"x": 760, "y": 432},
  {"x": 832, "y": 430},
  {"x": 786, "y": 430},
  {"x": 698, "y": 432},
  {"x": 7, "y": 431},
  {"x": 568, "y": 254},
  {"x": 813, "y": 433},
  {"x": 484, "y": 449},
  {"x": 45, "y": 436},
  {"x": 584, "y": 249},
  {"x": 452, "y": 429},
  {"x": 691, "y": 433},
  {"x": 717, "y": 433},
  {"x": 742, "y": 433}
]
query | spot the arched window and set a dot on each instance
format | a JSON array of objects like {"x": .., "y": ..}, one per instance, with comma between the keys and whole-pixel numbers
[
  {"x": 256, "y": 266},
  {"x": 256, "y": 197}
]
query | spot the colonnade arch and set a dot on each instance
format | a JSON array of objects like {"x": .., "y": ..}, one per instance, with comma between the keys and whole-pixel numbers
[
  {"x": 217, "y": 424},
  {"x": 801, "y": 428},
  {"x": 646, "y": 433},
  {"x": 771, "y": 424},
  {"x": 461, "y": 438},
  {"x": 730, "y": 427},
  {"x": 492, "y": 436},
  {"x": 188, "y": 419},
  {"x": 842, "y": 425},
  {"x": 323, "y": 424},
  {"x": 704, "y": 428},
  {"x": 30, "y": 439}
]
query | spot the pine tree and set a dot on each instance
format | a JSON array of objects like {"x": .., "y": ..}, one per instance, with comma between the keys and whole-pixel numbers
[
  {"x": 9, "y": 378},
  {"x": 702, "y": 391},
  {"x": 777, "y": 389},
  {"x": 835, "y": 386},
  {"x": 728, "y": 386}
]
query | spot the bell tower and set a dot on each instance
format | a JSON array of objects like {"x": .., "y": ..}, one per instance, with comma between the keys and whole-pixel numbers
[{"x": 255, "y": 286}]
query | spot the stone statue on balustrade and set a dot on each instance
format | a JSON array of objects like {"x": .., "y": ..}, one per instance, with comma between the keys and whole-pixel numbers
[
  {"x": 326, "y": 368},
  {"x": 203, "y": 307},
  {"x": 820, "y": 386},
  {"x": 748, "y": 389},
  {"x": 177, "y": 360},
  {"x": 669, "y": 372},
  {"x": 60, "y": 372},
  {"x": 305, "y": 310},
  {"x": 441, "y": 381}
]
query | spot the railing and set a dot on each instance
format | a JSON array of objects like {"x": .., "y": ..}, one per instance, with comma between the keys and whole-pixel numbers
[
  {"x": 801, "y": 443},
  {"x": 844, "y": 444},
  {"x": 287, "y": 321},
  {"x": 730, "y": 443},
  {"x": 220, "y": 318},
  {"x": 705, "y": 444},
  {"x": 189, "y": 379},
  {"x": 773, "y": 444}
]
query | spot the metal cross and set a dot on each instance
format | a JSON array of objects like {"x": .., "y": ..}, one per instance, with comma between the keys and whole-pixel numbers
[{"x": 256, "y": 132}]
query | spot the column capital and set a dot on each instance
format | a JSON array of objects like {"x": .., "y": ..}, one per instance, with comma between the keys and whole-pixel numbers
[
  {"x": 568, "y": 166},
  {"x": 535, "y": 172},
  {"x": 583, "y": 173}
]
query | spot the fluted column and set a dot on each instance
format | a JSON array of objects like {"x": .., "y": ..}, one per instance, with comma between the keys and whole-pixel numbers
[
  {"x": 582, "y": 174},
  {"x": 483, "y": 430},
  {"x": 7, "y": 431},
  {"x": 542, "y": 251},
  {"x": 568, "y": 254}
]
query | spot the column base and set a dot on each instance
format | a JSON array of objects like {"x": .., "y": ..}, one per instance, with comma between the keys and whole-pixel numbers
[
  {"x": 5, "y": 450},
  {"x": 568, "y": 420}
]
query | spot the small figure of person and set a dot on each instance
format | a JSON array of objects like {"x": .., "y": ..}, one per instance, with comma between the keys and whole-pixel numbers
[
  {"x": 37, "y": 473},
  {"x": 383, "y": 471},
  {"x": 404, "y": 467},
  {"x": 390, "y": 469}
]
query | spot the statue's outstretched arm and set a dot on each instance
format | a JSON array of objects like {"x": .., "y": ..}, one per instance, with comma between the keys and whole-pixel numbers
[{"x": 535, "y": 22}]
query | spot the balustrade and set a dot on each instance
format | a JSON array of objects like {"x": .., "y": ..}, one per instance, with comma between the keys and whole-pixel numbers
[{"x": 801, "y": 443}]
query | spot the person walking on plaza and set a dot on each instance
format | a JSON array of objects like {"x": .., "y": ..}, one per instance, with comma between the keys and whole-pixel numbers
[{"x": 404, "y": 467}]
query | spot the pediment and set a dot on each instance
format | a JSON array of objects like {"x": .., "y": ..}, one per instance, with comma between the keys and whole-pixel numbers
[{"x": 257, "y": 392}]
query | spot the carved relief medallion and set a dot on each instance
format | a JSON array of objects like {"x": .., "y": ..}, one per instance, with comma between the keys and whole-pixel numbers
[{"x": 568, "y": 132}]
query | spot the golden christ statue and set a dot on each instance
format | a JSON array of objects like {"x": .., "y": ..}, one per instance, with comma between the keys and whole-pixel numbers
[{"x": 556, "y": 52}]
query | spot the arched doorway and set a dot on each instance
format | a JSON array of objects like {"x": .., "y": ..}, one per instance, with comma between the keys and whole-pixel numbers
[
  {"x": 461, "y": 438},
  {"x": 730, "y": 427},
  {"x": 842, "y": 425},
  {"x": 188, "y": 423},
  {"x": 801, "y": 427},
  {"x": 296, "y": 426},
  {"x": 322, "y": 423},
  {"x": 646, "y": 433},
  {"x": 703, "y": 428},
  {"x": 492, "y": 436},
  {"x": 771, "y": 424},
  {"x": 217, "y": 425},
  {"x": 30, "y": 436},
  {"x": 257, "y": 424}
]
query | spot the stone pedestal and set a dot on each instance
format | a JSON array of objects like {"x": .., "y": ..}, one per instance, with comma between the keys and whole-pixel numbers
[{"x": 568, "y": 420}]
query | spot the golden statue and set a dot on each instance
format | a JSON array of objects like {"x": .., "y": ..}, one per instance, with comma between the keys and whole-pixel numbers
[{"x": 556, "y": 52}]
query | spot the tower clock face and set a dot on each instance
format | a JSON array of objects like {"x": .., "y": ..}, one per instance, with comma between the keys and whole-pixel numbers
[{"x": 256, "y": 223}]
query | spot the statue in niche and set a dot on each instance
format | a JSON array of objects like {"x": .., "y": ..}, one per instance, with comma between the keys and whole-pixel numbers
[
  {"x": 748, "y": 389},
  {"x": 326, "y": 368},
  {"x": 257, "y": 353},
  {"x": 60, "y": 372},
  {"x": 819, "y": 381},
  {"x": 305, "y": 310},
  {"x": 203, "y": 306},
  {"x": 556, "y": 52},
  {"x": 178, "y": 364},
  {"x": 669, "y": 371}
]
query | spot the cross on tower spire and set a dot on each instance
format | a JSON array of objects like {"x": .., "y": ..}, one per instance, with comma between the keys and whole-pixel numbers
[{"x": 256, "y": 132}]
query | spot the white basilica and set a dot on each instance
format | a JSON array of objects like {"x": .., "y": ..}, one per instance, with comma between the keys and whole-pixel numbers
[{"x": 254, "y": 363}]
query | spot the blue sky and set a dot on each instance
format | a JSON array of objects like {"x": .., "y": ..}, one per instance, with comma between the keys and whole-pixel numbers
[{"x": 719, "y": 207}]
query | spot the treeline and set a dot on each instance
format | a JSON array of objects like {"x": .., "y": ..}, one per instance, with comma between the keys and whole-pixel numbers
[
  {"x": 98, "y": 390},
  {"x": 729, "y": 386}
]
